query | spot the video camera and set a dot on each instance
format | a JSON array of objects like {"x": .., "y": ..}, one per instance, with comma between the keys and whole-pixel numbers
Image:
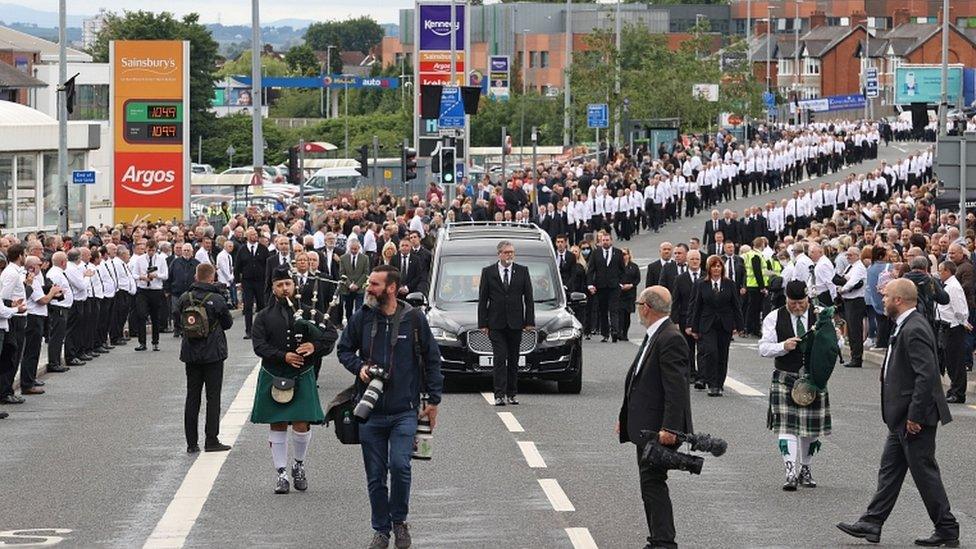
[{"x": 667, "y": 458}]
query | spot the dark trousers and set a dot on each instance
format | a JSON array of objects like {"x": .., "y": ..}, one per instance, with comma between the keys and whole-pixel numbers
[
  {"x": 33, "y": 333},
  {"x": 199, "y": 376},
  {"x": 884, "y": 330},
  {"x": 607, "y": 308},
  {"x": 150, "y": 304},
  {"x": 253, "y": 295},
  {"x": 74, "y": 333},
  {"x": 754, "y": 310},
  {"x": 623, "y": 317},
  {"x": 352, "y": 303},
  {"x": 657, "y": 504},
  {"x": 694, "y": 374},
  {"x": 505, "y": 357},
  {"x": 854, "y": 315},
  {"x": 105, "y": 315},
  {"x": 955, "y": 366},
  {"x": 10, "y": 353},
  {"x": 57, "y": 323},
  {"x": 89, "y": 321},
  {"x": 713, "y": 356},
  {"x": 120, "y": 309},
  {"x": 916, "y": 453}
]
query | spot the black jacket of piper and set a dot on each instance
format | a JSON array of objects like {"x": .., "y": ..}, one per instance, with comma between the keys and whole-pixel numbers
[
  {"x": 214, "y": 347},
  {"x": 270, "y": 337}
]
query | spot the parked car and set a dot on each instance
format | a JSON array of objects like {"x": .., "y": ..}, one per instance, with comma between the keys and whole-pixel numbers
[
  {"x": 201, "y": 168},
  {"x": 333, "y": 181}
]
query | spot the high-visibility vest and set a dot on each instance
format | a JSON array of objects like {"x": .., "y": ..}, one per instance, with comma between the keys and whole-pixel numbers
[{"x": 752, "y": 277}]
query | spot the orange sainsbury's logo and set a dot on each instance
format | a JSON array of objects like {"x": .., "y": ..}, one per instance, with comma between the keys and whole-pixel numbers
[{"x": 148, "y": 64}]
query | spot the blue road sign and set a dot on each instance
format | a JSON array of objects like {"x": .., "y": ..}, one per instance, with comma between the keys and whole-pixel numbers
[
  {"x": 83, "y": 177},
  {"x": 769, "y": 99},
  {"x": 597, "y": 115},
  {"x": 452, "y": 109}
]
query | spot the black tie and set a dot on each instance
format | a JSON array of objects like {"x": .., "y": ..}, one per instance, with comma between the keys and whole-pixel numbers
[
  {"x": 728, "y": 266},
  {"x": 354, "y": 262},
  {"x": 716, "y": 287},
  {"x": 694, "y": 277},
  {"x": 640, "y": 352},
  {"x": 506, "y": 277},
  {"x": 405, "y": 265}
]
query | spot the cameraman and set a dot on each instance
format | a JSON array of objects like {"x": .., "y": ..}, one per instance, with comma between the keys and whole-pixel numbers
[{"x": 387, "y": 436}]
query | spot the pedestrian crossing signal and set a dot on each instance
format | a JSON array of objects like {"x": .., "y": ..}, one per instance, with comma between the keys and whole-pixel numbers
[
  {"x": 408, "y": 163},
  {"x": 363, "y": 159},
  {"x": 447, "y": 160}
]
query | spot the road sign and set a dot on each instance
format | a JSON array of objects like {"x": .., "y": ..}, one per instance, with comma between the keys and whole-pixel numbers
[
  {"x": 871, "y": 82},
  {"x": 597, "y": 115},
  {"x": 83, "y": 177},
  {"x": 769, "y": 99},
  {"x": 952, "y": 164},
  {"x": 452, "y": 109}
]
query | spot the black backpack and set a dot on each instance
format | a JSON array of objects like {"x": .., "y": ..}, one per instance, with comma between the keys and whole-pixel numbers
[{"x": 195, "y": 318}]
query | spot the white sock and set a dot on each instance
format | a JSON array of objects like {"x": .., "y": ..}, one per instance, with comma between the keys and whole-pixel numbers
[
  {"x": 299, "y": 444},
  {"x": 279, "y": 448},
  {"x": 805, "y": 456},
  {"x": 787, "y": 447}
]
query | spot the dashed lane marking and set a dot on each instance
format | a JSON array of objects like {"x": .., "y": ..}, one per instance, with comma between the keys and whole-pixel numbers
[
  {"x": 557, "y": 498},
  {"x": 172, "y": 530},
  {"x": 581, "y": 538},
  {"x": 489, "y": 398},
  {"x": 731, "y": 383},
  {"x": 513, "y": 425},
  {"x": 531, "y": 455}
]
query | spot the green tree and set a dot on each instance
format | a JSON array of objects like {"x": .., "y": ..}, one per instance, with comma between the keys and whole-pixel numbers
[
  {"x": 358, "y": 34},
  {"x": 301, "y": 60},
  {"x": 143, "y": 25},
  {"x": 270, "y": 66}
]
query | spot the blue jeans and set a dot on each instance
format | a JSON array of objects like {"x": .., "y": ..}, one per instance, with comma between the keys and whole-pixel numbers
[{"x": 387, "y": 442}]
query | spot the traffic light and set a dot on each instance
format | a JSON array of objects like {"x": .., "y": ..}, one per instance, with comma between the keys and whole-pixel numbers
[
  {"x": 294, "y": 171},
  {"x": 447, "y": 165},
  {"x": 363, "y": 159},
  {"x": 408, "y": 163}
]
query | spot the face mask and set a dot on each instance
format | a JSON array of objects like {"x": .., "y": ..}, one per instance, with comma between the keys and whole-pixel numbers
[{"x": 585, "y": 252}]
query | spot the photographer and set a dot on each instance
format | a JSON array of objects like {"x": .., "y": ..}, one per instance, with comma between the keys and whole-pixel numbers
[
  {"x": 410, "y": 368},
  {"x": 656, "y": 400}
]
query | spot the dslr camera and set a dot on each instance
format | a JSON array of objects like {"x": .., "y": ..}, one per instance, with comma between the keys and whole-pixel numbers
[
  {"x": 667, "y": 458},
  {"x": 378, "y": 376}
]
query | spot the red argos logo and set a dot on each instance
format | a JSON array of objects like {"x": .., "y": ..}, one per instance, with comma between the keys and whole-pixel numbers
[{"x": 152, "y": 179}]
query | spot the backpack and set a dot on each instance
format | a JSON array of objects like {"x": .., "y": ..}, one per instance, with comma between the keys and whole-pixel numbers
[{"x": 195, "y": 318}]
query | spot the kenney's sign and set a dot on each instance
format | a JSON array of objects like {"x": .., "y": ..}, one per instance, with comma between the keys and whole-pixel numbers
[{"x": 435, "y": 27}]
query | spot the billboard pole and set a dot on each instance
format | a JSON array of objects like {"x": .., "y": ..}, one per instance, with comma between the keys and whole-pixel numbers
[
  {"x": 944, "y": 102},
  {"x": 257, "y": 139},
  {"x": 62, "y": 121}
]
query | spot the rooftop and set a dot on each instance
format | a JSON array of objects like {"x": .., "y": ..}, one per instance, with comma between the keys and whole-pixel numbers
[{"x": 11, "y": 39}]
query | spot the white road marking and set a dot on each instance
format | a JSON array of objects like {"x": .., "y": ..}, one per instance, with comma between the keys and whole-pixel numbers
[
  {"x": 531, "y": 455},
  {"x": 741, "y": 388},
  {"x": 557, "y": 498},
  {"x": 172, "y": 530},
  {"x": 489, "y": 397},
  {"x": 513, "y": 425},
  {"x": 581, "y": 538}
]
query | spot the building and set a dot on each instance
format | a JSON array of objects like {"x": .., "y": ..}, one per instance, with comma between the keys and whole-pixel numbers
[{"x": 90, "y": 28}]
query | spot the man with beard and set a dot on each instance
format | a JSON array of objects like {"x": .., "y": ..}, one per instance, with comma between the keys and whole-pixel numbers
[{"x": 289, "y": 339}]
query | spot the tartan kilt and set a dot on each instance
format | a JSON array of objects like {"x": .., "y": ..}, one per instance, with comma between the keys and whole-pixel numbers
[{"x": 785, "y": 417}]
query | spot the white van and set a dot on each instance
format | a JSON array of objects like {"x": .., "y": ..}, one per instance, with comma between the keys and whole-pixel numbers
[{"x": 334, "y": 180}]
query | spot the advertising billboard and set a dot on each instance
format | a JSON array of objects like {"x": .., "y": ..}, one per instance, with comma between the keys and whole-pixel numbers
[
  {"x": 499, "y": 76},
  {"x": 150, "y": 129},
  {"x": 923, "y": 84}
]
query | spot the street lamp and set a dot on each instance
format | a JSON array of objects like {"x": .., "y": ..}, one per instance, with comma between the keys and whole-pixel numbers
[
  {"x": 323, "y": 91},
  {"x": 796, "y": 49},
  {"x": 769, "y": 48},
  {"x": 525, "y": 78},
  {"x": 345, "y": 83}
]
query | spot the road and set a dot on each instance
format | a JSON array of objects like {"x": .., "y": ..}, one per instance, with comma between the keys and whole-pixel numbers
[{"x": 101, "y": 458}]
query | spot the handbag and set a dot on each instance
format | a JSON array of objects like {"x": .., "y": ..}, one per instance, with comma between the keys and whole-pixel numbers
[{"x": 340, "y": 412}]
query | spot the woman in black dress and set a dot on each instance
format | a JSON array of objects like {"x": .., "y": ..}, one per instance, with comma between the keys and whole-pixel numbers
[
  {"x": 714, "y": 316},
  {"x": 628, "y": 293}
]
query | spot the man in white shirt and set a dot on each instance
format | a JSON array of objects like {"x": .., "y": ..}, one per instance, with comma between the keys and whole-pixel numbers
[
  {"x": 853, "y": 294},
  {"x": 417, "y": 223},
  {"x": 12, "y": 292},
  {"x": 203, "y": 253},
  {"x": 107, "y": 311},
  {"x": 125, "y": 287},
  {"x": 954, "y": 317},
  {"x": 150, "y": 271},
  {"x": 225, "y": 271},
  {"x": 78, "y": 280},
  {"x": 37, "y": 305},
  {"x": 823, "y": 276},
  {"x": 57, "y": 312}
]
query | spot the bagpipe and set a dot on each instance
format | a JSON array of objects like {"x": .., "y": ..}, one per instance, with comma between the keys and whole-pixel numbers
[
  {"x": 317, "y": 277},
  {"x": 819, "y": 350}
]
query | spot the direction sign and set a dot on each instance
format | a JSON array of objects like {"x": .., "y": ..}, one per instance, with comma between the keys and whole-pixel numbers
[
  {"x": 769, "y": 99},
  {"x": 871, "y": 82},
  {"x": 597, "y": 115},
  {"x": 83, "y": 177},
  {"x": 452, "y": 109}
]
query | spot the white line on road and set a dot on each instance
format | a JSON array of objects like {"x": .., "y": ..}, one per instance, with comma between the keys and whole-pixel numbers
[
  {"x": 172, "y": 530},
  {"x": 531, "y": 455},
  {"x": 489, "y": 397},
  {"x": 581, "y": 538},
  {"x": 558, "y": 498},
  {"x": 513, "y": 425},
  {"x": 741, "y": 388}
]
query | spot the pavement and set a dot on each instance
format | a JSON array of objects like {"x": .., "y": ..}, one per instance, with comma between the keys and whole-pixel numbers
[{"x": 99, "y": 461}]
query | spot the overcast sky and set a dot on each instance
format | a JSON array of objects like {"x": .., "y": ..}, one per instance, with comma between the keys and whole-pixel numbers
[{"x": 234, "y": 12}]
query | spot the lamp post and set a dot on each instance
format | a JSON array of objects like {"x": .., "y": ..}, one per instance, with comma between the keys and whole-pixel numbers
[
  {"x": 618, "y": 44},
  {"x": 748, "y": 32},
  {"x": 944, "y": 98},
  {"x": 769, "y": 48},
  {"x": 325, "y": 94},
  {"x": 525, "y": 78},
  {"x": 867, "y": 63},
  {"x": 345, "y": 80},
  {"x": 257, "y": 138},
  {"x": 568, "y": 62}
]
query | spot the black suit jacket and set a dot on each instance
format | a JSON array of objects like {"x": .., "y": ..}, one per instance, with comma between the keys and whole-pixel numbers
[
  {"x": 416, "y": 279},
  {"x": 250, "y": 267},
  {"x": 654, "y": 272},
  {"x": 714, "y": 311},
  {"x": 269, "y": 268},
  {"x": 740, "y": 271},
  {"x": 501, "y": 308},
  {"x": 657, "y": 396},
  {"x": 911, "y": 388},
  {"x": 708, "y": 236},
  {"x": 731, "y": 229},
  {"x": 601, "y": 275},
  {"x": 669, "y": 274},
  {"x": 681, "y": 295},
  {"x": 567, "y": 267}
]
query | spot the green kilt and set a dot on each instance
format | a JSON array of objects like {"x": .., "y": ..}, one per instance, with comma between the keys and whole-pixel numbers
[
  {"x": 787, "y": 418},
  {"x": 304, "y": 406}
]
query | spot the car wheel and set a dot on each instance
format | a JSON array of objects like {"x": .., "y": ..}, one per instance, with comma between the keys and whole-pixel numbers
[{"x": 575, "y": 385}]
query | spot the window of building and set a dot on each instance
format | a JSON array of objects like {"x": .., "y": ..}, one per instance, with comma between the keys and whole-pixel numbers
[
  {"x": 76, "y": 161},
  {"x": 533, "y": 59},
  {"x": 91, "y": 102},
  {"x": 6, "y": 191},
  {"x": 543, "y": 59},
  {"x": 26, "y": 190},
  {"x": 811, "y": 66},
  {"x": 785, "y": 66}
]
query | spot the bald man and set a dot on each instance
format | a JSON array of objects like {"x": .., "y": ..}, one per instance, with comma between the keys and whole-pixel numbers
[{"x": 912, "y": 406}]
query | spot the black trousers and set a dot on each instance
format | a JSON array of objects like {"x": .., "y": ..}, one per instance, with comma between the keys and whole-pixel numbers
[
  {"x": 33, "y": 334},
  {"x": 694, "y": 374},
  {"x": 505, "y": 356},
  {"x": 657, "y": 504},
  {"x": 200, "y": 376},
  {"x": 89, "y": 320},
  {"x": 916, "y": 453},
  {"x": 74, "y": 333},
  {"x": 150, "y": 304},
  {"x": 713, "y": 356},
  {"x": 106, "y": 314},
  {"x": 607, "y": 307},
  {"x": 754, "y": 311},
  {"x": 955, "y": 360},
  {"x": 120, "y": 309},
  {"x": 854, "y": 316},
  {"x": 57, "y": 323},
  {"x": 10, "y": 353},
  {"x": 624, "y": 312},
  {"x": 253, "y": 295}
]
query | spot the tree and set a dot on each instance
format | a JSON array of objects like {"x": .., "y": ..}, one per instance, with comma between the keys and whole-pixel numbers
[
  {"x": 360, "y": 34},
  {"x": 270, "y": 66},
  {"x": 301, "y": 60},
  {"x": 143, "y": 25}
]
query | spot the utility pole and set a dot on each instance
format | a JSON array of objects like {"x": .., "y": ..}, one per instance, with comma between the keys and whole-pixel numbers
[
  {"x": 453, "y": 41},
  {"x": 749, "y": 32},
  {"x": 62, "y": 119},
  {"x": 345, "y": 78},
  {"x": 769, "y": 48},
  {"x": 567, "y": 100},
  {"x": 867, "y": 63},
  {"x": 944, "y": 102},
  {"x": 301, "y": 172},
  {"x": 796, "y": 60},
  {"x": 535, "y": 178},
  {"x": 504, "y": 140},
  {"x": 376, "y": 160},
  {"x": 257, "y": 137},
  {"x": 616, "y": 83}
]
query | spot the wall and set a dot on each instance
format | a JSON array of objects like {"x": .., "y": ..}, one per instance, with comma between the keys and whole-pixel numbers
[
  {"x": 961, "y": 50},
  {"x": 840, "y": 71},
  {"x": 10, "y": 57}
]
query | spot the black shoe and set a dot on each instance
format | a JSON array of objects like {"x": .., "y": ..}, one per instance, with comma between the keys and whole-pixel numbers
[
  {"x": 120, "y": 343},
  {"x": 513, "y": 401},
  {"x": 955, "y": 399},
  {"x": 87, "y": 357},
  {"x": 96, "y": 351},
  {"x": 215, "y": 446},
  {"x": 938, "y": 540},
  {"x": 852, "y": 364},
  {"x": 155, "y": 346},
  {"x": 282, "y": 485},
  {"x": 401, "y": 531},
  {"x": 700, "y": 385},
  {"x": 499, "y": 401},
  {"x": 11, "y": 399},
  {"x": 298, "y": 476},
  {"x": 140, "y": 348},
  {"x": 108, "y": 346},
  {"x": 247, "y": 336},
  {"x": 713, "y": 392},
  {"x": 72, "y": 362},
  {"x": 4, "y": 415},
  {"x": 102, "y": 349},
  {"x": 38, "y": 383},
  {"x": 604, "y": 340},
  {"x": 193, "y": 449},
  {"x": 863, "y": 530},
  {"x": 805, "y": 478},
  {"x": 791, "y": 479}
]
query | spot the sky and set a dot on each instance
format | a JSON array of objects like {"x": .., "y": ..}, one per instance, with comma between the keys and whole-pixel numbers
[{"x": 238, "y": 12}]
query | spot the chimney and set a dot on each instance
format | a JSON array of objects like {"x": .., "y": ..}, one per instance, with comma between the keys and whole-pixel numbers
[
  {"x": 901, "y": 16},
  {"x": 818, "y": 19},
  {"x": 859, "y": 18},
  {"x": 762, "y": 27}
]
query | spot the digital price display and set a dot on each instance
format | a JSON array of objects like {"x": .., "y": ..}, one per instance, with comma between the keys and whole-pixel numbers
[{"x": 153, "y": 122}]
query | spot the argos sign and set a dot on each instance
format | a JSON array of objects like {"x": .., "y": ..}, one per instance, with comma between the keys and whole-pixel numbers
[{"x": 150, "y": 126}]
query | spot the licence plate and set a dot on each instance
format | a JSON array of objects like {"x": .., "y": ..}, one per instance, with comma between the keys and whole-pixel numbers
[{"x": 488, "y": 361}]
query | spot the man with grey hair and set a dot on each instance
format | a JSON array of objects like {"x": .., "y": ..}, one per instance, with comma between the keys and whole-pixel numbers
[
  {"x": 656, "y": 405},
  {"x": 77, "y": 277},
  {"x": 37, "y": 305},
  {"x": 852, "y": 293},
  {"x": 58, "y": 310}
]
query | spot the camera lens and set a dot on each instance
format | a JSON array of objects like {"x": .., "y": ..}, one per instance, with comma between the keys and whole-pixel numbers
[{"x": 366, "y": 404}]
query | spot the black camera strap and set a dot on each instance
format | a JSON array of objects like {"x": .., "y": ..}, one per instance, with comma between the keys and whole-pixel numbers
[{"x": 394, "y": 333}]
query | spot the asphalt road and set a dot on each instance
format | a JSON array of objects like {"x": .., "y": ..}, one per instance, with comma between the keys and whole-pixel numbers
[{"x": 101, "y": 459}]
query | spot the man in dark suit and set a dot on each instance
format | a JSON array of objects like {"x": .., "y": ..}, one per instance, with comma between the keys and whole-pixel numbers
[
  {"x": 712, "y": 226},
  {"x": 564, "y": 259},
  {"x": 249, "y": 268},
  {"x": 912, "y": 406},
  {"x": 603, "y": 271},
  {"x": 413, "y": 270},
  {"x": 682, "y": 290},
  {"x": 735, "y": 267},
  {"x": 730, "y": 227},
  {"x": 280, "y": 257},
  {"x": 505, "y": 310},
  {"x": 672, "y": 270},
  {"x": 656, "y": 267},
  {"x": 656, "y": 400}
]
